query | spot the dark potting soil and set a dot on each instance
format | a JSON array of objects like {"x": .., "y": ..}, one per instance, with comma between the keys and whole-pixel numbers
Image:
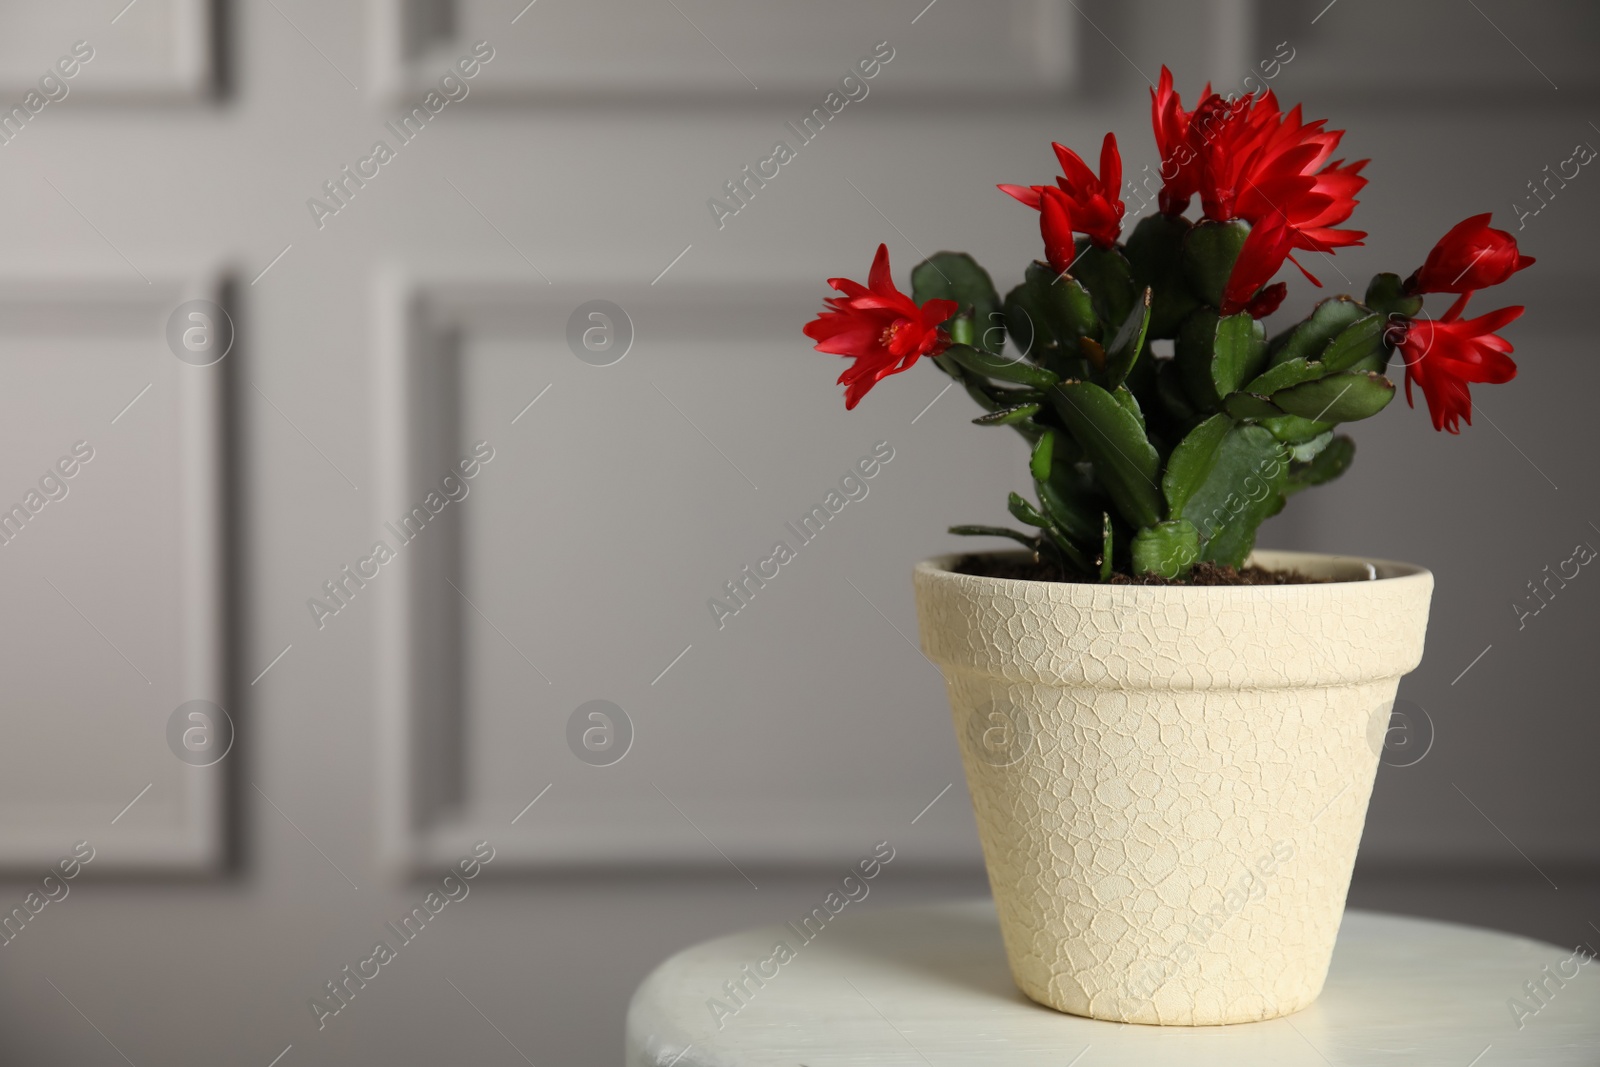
[{"x": 1203, "y": 573}]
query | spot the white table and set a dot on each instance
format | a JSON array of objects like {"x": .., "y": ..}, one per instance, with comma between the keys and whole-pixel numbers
[{"x": 930, "y": 986}]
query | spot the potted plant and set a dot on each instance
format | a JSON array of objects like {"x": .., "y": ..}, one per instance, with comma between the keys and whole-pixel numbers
[{"x": 1170, "y": 742}]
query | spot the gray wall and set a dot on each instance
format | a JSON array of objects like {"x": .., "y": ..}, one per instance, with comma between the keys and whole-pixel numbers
[{"x": 371, "y": 751}]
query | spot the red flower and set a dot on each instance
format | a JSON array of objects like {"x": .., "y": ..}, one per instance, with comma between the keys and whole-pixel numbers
[
  {"x": 1471, "y": 256},
  {"x": 1443, "y": 356},
  {"x": 1095, "y": 204},
  {"x": 1180, "y": 178},
  {"x": 1264, "y": 250},
  {"x": 879, "y": 326},
  {"x": 1228, "y": 138},
  {"x": 1254, "y": 161}
]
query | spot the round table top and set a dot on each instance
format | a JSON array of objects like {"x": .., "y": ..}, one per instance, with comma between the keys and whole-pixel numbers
[{"x": 930, "y": 986}]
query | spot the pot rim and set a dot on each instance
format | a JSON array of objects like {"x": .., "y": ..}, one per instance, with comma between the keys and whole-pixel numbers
[
  {"x": 1346, "y": 570},
  {"x": 1066, "y": 634}
]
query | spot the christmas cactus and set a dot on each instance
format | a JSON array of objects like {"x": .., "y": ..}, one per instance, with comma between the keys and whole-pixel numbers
[{"x": 1145, "y": 463}]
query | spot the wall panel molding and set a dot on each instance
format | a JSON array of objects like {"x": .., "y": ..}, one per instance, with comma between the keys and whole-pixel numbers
[
  {"x": 429, "y": 813},
  {"x": 651, "y": 53},
  {"x": 179, "y": 826},
  {"x": 1491, "y": 54},
  {"x": 157, "y": 50}
]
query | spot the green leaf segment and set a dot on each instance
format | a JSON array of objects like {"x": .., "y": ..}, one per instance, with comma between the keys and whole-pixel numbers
[{"x": 1147, "y": 464}]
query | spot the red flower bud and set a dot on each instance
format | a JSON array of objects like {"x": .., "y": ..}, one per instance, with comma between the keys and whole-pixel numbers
[
  {"x": 1091, "y": 204},
  {"x": 1055, "y": 225},
  {"x": 1471, "y": 256},
  {"x": 1180, "y": 177},
  {"x": 878, "y": 326},
  {"x": 1267, "y": 301}
]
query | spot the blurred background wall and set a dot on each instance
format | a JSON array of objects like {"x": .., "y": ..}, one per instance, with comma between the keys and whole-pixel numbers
[{"x": 349, "y": 356}]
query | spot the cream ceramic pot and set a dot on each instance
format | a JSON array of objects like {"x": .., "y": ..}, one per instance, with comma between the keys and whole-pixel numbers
[{"x": 1170, "y": 782}]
